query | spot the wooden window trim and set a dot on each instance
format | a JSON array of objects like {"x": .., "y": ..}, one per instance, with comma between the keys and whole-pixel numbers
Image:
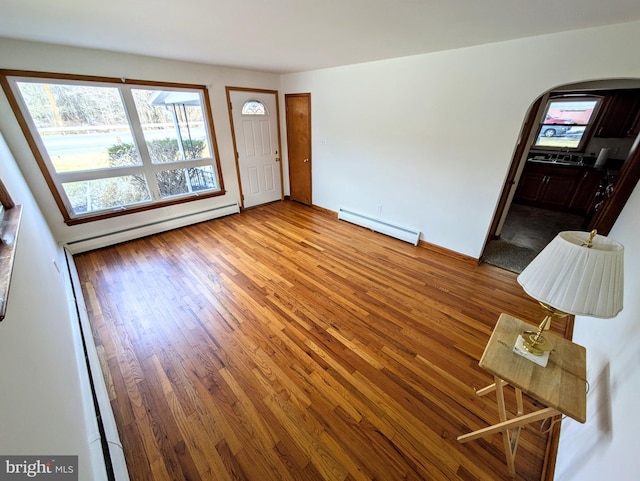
[
  {"x": 42, "y": 165},
  {"x": 11, "y": 216}
]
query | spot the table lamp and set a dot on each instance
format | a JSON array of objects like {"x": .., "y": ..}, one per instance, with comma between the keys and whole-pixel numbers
[{"x": 578, "y": 273}]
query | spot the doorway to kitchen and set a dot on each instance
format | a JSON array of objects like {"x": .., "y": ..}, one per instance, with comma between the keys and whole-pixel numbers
[{"x": 579, "y": 178}]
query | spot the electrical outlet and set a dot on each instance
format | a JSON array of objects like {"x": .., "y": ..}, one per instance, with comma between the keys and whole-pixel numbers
[{"x": 379, "y": 209}]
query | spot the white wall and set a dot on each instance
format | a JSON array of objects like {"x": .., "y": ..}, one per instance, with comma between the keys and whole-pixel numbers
[
  {"x": 430, "y": 137},
  {"x": 45, "y": 406},
  {"x": 21, "y": 55},
  {"x": 607, "y": 446}
]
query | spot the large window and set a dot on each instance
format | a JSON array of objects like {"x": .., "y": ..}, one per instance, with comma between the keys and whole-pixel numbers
[
  {"x": 111, "y": 146},
  {"x": 565, "y": 122}
]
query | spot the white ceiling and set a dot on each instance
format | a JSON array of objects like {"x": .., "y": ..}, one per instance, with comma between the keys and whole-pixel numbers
[{"x": 297, "y": 35}]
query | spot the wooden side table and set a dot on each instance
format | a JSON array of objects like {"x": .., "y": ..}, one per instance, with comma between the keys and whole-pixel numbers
[{"x": 561, "y": 386}]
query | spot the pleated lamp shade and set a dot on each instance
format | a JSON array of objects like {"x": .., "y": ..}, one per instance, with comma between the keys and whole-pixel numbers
[{"x": 576, "y": 279}]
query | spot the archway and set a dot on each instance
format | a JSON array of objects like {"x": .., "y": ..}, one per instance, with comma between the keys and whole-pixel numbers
[{"x": 510, "y": 243}]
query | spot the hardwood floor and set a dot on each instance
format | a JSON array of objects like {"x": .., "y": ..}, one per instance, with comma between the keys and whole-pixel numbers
[{"x": 283, "y": 344}]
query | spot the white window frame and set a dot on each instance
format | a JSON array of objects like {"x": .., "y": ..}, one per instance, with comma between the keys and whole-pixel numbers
[
  {"x": 586, "y": 135},
  {"x": 264, "y": 113},
  {"x": 148, "y": 168}
]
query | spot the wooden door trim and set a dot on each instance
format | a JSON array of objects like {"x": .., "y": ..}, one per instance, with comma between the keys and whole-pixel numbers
[
  {"x": 228, "y": 90},
  {"x": 510, "y": 181},
  {"x": 306, "y": 95}
]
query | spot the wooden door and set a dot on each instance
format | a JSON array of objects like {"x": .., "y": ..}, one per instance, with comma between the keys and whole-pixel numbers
[
  {"x": 254, "y": 125},
  {"x": 510, "y": 185},
  {"x": 298, "y": 107}
]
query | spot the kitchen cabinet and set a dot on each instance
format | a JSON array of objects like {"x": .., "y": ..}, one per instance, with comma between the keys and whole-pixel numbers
[
  {"x": 558, "y": 187},
  {"x": 621, "y": 115},
  {"x": 635, "y": 125},
  {"x": 546, "y": 186},
  {"x": 584, "y": 197}
]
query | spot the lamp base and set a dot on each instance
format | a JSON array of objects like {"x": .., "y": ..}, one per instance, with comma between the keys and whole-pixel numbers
[
  {"x": 521, "y": 351},
  {"x": 535, "y": 343}
]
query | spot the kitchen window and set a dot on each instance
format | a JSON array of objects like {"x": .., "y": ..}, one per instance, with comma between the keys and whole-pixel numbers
[
  {"x": 566, "y": 122},
  {"x": 113, "y": 146}
]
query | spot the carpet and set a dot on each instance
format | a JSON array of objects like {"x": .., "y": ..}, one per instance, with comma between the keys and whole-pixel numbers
[
  {"x": 526, "y": 231},
  {"x": 506, "y": 255}
]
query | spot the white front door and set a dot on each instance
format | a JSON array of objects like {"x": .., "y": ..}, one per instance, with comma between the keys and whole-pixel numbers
[{"x": 255, "y": 127}]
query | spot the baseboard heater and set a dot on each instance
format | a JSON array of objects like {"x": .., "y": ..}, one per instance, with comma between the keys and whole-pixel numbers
[
  {"x": 110, "y": 238},
  {"x": 377, "y": 225}
]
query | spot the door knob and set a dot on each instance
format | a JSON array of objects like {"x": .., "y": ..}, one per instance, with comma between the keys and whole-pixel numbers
[{"x": 277, "y": 159}]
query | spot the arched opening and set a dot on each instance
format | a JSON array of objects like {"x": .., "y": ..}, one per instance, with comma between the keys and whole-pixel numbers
[{"x": 574, "y": 168}]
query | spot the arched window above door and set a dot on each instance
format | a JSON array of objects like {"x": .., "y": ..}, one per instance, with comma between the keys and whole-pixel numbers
[{"x": 254, "y": 107}]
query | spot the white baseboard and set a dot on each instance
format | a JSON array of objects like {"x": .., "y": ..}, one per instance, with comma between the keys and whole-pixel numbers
[
  {"x": 408, "y": 235},
  {"x": 94, "y": 388},
  {"x": 96, "y": 242}
]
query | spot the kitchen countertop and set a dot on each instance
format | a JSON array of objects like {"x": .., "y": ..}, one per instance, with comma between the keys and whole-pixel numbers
[
  {"x": 579, "y": 163},
  {"x": 567, "y": 163}
]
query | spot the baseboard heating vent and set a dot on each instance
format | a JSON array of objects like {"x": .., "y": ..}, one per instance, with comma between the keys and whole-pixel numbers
[
  {"x": 115, "y": 237},
  {"x": 402, "y": 233}
]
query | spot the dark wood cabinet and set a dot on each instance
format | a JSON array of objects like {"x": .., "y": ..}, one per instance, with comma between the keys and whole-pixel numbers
[
  {"x": 620, "y": 115},
  {"x": 584, "y": 197},
  {"x": 635, "y": 125},
  {"x": 530, "y": 187},
  {"x": 547, "y": 186},
  {"x": 558, "y": 187}
]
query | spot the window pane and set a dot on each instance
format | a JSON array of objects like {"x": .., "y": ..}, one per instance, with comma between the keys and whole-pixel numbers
[
  {"x": 184, "y": 181},
  {"x": 202, "y": 178},
  {"x": 570, "y": 111},
  {"x": 254, "y": 107},
  {"x": 80, "y": 125},
  {"x": 173, "y": 124},
  {"x": 99, "y": 194},
  {"x": 565, "y": 138}
]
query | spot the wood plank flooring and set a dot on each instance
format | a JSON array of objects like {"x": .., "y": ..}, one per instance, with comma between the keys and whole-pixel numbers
[{"x": 283, "y": 344}]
